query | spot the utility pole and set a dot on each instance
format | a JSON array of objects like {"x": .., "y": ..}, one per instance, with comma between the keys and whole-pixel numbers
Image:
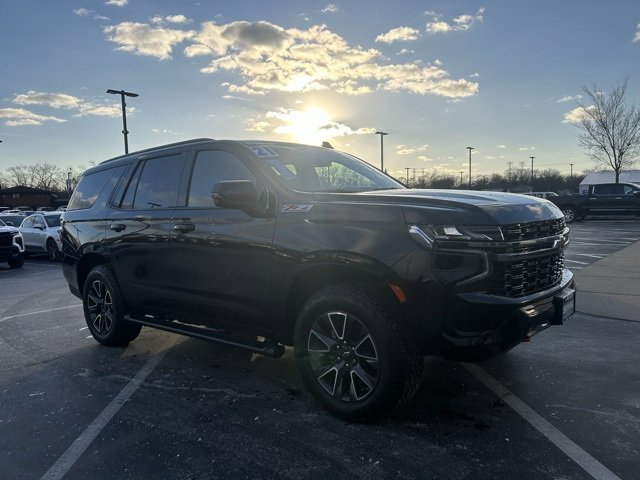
[
  {"x": 407, "y": 169},
  {"x": 531, "y": 181},
  {"x": 470, "y": 148},
  {"x": 125, "y": 132},
  {"x": 382, "y": 134},
  {"x": 571, "y": 172}
]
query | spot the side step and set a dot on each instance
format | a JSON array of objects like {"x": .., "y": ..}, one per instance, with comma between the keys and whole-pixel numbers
[{"x": 266, "y": 348}]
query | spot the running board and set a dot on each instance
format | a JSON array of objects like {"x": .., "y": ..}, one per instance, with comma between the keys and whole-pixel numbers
[{"x": 266, "y": 348}]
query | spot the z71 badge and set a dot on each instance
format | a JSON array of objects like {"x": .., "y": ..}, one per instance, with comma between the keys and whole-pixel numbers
[{"x": 290, "y": 207}]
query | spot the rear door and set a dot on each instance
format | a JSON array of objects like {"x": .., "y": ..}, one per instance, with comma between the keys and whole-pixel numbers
[
  {"x": 611, "y": 198},
  {"x": 222, "y": 256},
  {"x": 138, "y": 232}
]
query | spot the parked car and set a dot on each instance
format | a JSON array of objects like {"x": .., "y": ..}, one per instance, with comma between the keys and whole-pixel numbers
[
  {"x": 543, "y": 194},
  {"x": 41, "y": 232},
  {"x": 12, "y": 219},
  {"x": 11, "y": 246},
  {"x": 44, "y": 209},
  {"x": 601, "y": 199},
  {"x": 311, "y": 247}
]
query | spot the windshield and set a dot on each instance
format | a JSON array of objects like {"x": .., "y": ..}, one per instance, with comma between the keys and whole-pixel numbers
[{"x": 313, "y": 169}]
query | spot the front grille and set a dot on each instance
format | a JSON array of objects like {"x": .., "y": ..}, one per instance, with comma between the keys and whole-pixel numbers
[
  {"x": 529, "y": 231},
  {"x": 524, "y": 277},
  {"x": 6, "y": 239}
]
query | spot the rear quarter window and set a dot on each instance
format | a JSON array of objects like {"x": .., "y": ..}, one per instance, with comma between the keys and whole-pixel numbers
[{"x": 91, "y": 186}]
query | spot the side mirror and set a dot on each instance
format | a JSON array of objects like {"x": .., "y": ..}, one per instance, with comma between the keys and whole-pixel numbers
[{"x": 240, "y": 194}]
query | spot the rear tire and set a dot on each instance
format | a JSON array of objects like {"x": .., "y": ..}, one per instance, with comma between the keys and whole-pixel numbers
[
  {"x": 354, "y": 355},
  {"x": 104, "y": 309},
  {"x": 52, "y": 250},
  {"x": 570, "y": 214}
]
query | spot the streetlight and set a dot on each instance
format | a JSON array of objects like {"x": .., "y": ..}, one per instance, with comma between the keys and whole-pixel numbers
[
  {"x": 407, "y": 169},
  {"x": 531, "y": 180},
  {"x": 69, "y": 182},
  {"x": 125, "y": 132},
  {"x": 382, "y": 134},
  {"x": 470, "y": 148},
  {"x": 571, "y": 172}
]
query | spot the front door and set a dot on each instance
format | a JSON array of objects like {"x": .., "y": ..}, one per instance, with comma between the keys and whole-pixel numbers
[{"x": 222, "y": 256}]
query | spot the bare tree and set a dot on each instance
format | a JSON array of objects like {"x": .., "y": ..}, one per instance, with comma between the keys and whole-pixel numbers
[
  {"x": 46, "y": 176},
  {"x": 610, "y": 128}
]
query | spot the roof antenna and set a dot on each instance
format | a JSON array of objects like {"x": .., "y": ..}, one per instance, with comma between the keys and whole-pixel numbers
[{"x": 327, "y": 145}]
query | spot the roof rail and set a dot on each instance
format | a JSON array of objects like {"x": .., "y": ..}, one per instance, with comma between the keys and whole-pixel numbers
[{"x": 152, "y": 149}]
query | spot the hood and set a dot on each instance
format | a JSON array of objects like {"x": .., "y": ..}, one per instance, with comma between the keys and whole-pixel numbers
[{"x": 461, "y": 207}]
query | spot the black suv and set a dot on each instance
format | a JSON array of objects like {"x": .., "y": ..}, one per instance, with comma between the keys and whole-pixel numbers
[{"x": 265, "y": 244}]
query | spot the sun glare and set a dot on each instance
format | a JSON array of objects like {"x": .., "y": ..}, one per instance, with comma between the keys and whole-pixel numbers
[{"x": 308, "y": 127}]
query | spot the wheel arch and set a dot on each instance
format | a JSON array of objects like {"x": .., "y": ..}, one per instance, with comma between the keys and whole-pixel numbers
[
  {"x": 318, "y": 276},
  {"x": 85, "y": 265}
]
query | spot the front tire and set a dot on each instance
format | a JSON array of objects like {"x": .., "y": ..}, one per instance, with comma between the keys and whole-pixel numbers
[
  {"x": 16, "y": 262},
  {"x": 104, "y": 309},
  {"x": 354, "y": 355}
]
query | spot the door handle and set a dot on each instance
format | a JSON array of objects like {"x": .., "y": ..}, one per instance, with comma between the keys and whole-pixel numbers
[
  {"x": 184, "y": 227},
  {"x": 117, "y": 227}
]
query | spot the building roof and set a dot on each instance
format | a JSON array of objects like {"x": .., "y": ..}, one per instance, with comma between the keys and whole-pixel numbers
[
  {"x": 20, "y": 189},
  {"x": 628, "y": 176}
]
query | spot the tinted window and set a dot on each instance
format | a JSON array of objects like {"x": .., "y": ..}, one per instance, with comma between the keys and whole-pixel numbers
[
  {"x": 607, "y": 189},
  {"x": 211, "y": 167},
  {"x": 155, "y": 184},
  {"x": 629, "y": 189},
  {"x": 52, "y": 220},
  {"x": 89, "y": 188}
]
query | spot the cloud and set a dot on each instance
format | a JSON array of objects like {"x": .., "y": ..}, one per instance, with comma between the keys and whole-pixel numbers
[
  {"x": 637, "y": 37},
  {"x": 405, "y": 51},
  {"x": 142, "y": 39},
  {"x": 404, "y": 150},
  {"x": 116, "y": 3},
  {"x": 474, "y": 75},
  {"x": 577, "y": 115},
  {"x": 54, "y": 100},
  {"x": 330, "y": 8},
  {"x": 311, "y": 123},
  {"x": 399, "y": 34},
  {"x": 83, "y": 12},
  {"x": 18, "y": 117},
  {"x": 65, "y": 101},
  {"x": 460, "y": 23},
  {"x": 269, "y": 58},
  {"x": 259, "y": 126},
  {"x": 178, "y": 19},
  {"x": 526, "y": 149},
  {"x": 568, "y": 98},
  {"x": 501, "y": 146}
]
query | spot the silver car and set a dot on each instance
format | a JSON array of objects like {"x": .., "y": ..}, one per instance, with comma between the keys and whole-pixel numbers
[{"x": 41, "y": 234}]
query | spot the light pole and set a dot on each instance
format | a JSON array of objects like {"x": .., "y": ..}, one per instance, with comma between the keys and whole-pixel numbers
[
  {"x": 531, "y": 179},
  {"x": 470, "y": 148},
  {"x": 125, "y": 132},
  {"x": 571, "y": 172},
  {"x": 69, "y": 182},
  {"x": 382, "y": 134},
  {"x": 407, "y": 169}
]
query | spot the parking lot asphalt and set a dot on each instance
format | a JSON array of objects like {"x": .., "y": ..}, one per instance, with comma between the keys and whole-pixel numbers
[{"x": 564, "y": 406}]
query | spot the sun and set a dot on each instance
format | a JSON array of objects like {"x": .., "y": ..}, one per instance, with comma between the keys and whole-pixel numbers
[{"x": 309, "y": 126}]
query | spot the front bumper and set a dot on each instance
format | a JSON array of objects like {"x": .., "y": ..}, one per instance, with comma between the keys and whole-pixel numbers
[{"x": 485, "y": 325}]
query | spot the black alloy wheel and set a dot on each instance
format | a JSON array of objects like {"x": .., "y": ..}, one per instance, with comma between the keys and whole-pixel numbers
[
  {"x": 343, "y": 356},
  {"x": 354, "y": 353},
  {"x": 569, "y": 214},
  {"x": 104, "y": 309},
  {"x": 100, "y": 307}
]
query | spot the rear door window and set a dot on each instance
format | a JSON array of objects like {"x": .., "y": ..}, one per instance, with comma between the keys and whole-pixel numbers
[{"x": 155, "y": 183}]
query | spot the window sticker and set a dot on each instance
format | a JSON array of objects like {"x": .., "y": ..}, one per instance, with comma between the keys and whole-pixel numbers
[
  {"x": 281, "y": 169},
  {"x": 263, "y": 151},
  {"x": 293, "y": 208}
]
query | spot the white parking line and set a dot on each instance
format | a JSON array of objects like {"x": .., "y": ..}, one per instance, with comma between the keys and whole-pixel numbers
[
  {"x": 590, "y": 255},
  {"x": 576, "y": 261},
  {"x": 592, "y": 466},
  {"x": 80, "y": 444},
  {"x": 2, "y": 319}
]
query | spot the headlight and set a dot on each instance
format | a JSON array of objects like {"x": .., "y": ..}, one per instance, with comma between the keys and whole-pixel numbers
[{"x": 428, "y": 235}]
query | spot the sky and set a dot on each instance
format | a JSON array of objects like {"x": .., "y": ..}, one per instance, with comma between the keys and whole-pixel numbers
[{"x": 504, "y": 77}]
